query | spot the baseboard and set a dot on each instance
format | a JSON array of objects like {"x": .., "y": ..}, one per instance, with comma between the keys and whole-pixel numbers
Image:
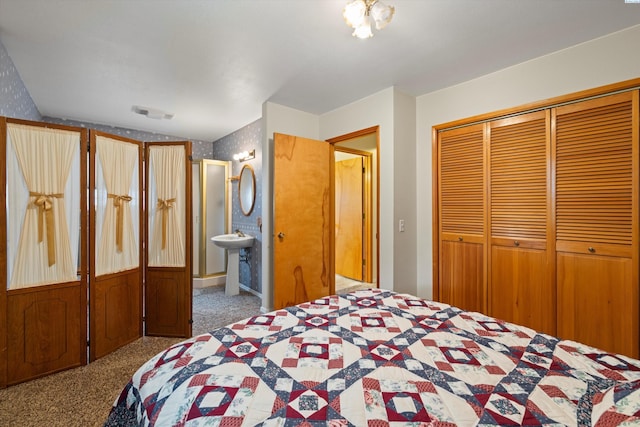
[{"x": 206, "y": 282}]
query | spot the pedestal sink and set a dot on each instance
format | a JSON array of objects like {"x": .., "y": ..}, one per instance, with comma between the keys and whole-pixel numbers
[{"x": 233, "y": 243}]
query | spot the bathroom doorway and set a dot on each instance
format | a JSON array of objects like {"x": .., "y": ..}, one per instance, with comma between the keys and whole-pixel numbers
[{"x": 356, "y": 204}]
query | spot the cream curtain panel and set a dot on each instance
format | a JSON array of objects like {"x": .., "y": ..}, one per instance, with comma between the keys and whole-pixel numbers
[
  {"x": 117, "y": 206},
  {"x": 43, "y": 199},
  {"x": 167, "y": 227}
]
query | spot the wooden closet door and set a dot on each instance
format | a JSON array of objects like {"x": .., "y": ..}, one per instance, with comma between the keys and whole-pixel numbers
[
  {"x": 461, "y": 201},
  {"x": 596, "y": 171},
  {"x": 521, "y": 286},
  {"x": 44, "y": 324},
  {"x": 168, "y": 288},
  {"x": 115, "y": 289}
]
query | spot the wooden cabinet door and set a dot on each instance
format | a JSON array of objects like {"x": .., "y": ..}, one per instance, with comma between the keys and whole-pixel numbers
[
  {"x": 596, "y": 173},
  {"x": 461, "y": 201},
  {"x": 521, "y": 286}
]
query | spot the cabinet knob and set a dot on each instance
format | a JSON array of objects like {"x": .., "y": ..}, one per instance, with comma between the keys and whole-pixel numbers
[
  {"x": 460, "y": 239},
  {"x": 516, "y": 243},
  {"x": 592, "y": 249},
  {"x": 281, "y": 235}
]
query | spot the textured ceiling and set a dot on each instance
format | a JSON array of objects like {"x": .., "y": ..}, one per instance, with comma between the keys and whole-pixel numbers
[{"x": 213, "y": 63}]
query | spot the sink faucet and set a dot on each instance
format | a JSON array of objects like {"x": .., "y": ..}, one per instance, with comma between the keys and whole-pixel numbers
[{"x": 239, "y": 233}]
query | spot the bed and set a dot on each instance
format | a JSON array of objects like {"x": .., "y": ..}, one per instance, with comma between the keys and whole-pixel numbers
[{"x": 379, "y": 358}]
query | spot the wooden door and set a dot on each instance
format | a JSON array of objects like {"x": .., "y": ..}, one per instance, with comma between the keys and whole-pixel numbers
[
  {"x": 115, "y": 224},
  {"x": 168, "y": 272},
  {"x": 596, "y": 185},
  {"x": 349, "y": 217},
  {"x": 303, "y": 220},
  {"x": 43, "y": 217},
  {"x": 521, "y": 267},
  {"x": 461, "y": 202}
]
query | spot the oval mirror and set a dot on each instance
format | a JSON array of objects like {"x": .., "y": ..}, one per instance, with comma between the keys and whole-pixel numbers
[{"x": 247, "y": 190}]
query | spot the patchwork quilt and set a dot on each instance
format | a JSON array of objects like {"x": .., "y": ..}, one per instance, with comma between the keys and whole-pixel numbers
[{"x": 379, "y": 358}]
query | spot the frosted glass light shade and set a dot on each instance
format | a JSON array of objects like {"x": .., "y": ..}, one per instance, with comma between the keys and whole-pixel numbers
[
  {"x": 363, "y": 31},
  {"x": 354, "y": 13},
  {"x": 381, "y": 14}
]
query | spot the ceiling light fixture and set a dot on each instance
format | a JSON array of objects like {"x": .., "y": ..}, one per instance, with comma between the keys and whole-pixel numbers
[
  {"x": 359, "y": 13},
  {"x": 151, "y": 113}
]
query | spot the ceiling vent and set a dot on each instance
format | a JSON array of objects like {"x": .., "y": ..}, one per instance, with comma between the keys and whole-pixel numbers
[{"x": 152, "y": 113}]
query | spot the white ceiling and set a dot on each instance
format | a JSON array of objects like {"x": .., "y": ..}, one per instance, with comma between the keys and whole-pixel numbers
[{"x": 213, "y": 63}]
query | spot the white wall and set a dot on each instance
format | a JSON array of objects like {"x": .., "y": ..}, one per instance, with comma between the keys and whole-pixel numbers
[
  {"x": 277, "y": 119},
  {"x": 610, "y": 59},
  {"x": 404, "y": 200},
  {"x": 374, "y": 110}
]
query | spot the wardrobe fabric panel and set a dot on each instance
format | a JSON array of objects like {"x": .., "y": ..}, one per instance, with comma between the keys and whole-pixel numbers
[
  {"x": 166, "y": 210},
  {"x": 43, "y": 173},
  {"x": 117, "y": 210}
]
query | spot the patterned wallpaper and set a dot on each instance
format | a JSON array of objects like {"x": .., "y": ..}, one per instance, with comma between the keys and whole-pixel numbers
[
  {"x": 15, "y": 101},
  {"x": 247, "y": 138},
  {"x": 199, "y": 149}
]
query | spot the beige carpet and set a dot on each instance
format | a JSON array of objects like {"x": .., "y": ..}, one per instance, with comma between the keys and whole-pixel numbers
[{"x": 83, "y": 396}]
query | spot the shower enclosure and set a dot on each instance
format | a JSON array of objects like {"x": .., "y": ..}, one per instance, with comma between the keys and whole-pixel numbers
[{"x": 210, "y": 218}]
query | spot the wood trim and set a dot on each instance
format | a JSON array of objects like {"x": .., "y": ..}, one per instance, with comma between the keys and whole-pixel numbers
[
  {"x": 543, "y": 104},
  {"x": 435, "y": 217},
  {"x": 368, "y": 207},
  {"x": 357, "y": 134},
  {"x": 486, "y": 202},
  {"x": 352, "y": 135},
  {"x": 3, "y": 255}
]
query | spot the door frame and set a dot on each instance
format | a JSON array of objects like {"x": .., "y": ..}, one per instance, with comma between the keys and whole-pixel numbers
[
  {"x": 367, "y": 207},
  {"x": 342, "y": 139}
]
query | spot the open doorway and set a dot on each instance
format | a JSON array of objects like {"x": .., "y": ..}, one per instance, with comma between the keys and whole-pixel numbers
[{"x": 356, "y": 205}]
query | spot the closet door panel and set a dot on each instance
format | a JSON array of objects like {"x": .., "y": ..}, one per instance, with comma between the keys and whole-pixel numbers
[
  {"x": 596, "y": 145},
  {"x": 597, "y": 306},
  {"x": 168, "y": 271},
  {"x": 521, "y": 289},
  {"x": 44, "y": 264},
  {"x": 115, "y": 240},
  {"x": 462, "y": 271},
  {"x": 462, "y": 218}
]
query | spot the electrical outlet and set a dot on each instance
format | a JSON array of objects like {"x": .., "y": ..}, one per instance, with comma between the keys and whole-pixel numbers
[{"x": 401, "y": 225}]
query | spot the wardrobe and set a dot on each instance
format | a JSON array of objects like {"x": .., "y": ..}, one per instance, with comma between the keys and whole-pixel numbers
[
  {"x": 536, "y": 216},
  {"x": 96, "y": 250}
]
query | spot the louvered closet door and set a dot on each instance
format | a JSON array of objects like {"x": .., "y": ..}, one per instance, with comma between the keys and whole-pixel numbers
[
  {"x": 461, "y": 202},
  {"x": 596, "y": 146},
  {"x": 521, "y": 286}
]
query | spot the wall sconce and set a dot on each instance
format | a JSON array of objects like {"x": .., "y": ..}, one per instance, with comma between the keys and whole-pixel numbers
[{"x": 245, "y": 155}]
